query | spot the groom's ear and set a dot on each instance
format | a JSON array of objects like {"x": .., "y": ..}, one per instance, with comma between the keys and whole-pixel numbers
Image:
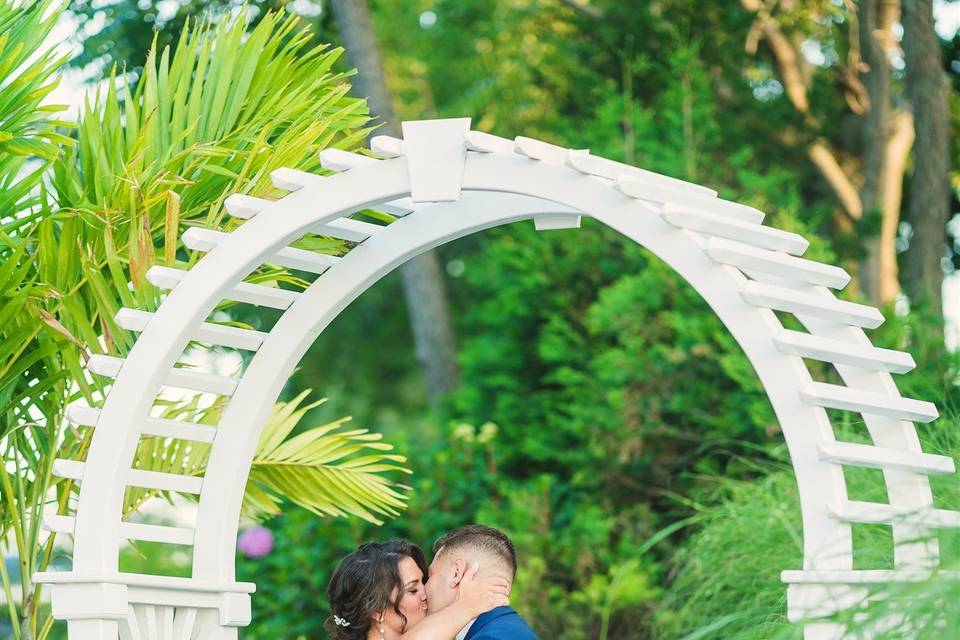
[{"x": 459, "y": 569}]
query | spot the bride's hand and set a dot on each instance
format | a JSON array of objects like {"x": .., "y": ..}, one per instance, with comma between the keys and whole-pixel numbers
[{"x": 482, "y": 594}]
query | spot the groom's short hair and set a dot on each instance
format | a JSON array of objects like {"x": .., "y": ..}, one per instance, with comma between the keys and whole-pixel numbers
[{"x": 485, "y": 539}]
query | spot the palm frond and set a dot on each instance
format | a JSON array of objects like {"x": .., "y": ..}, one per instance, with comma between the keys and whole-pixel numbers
[{"x": 326, "y": 470}]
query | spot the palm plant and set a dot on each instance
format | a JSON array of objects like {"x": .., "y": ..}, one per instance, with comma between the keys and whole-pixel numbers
[{"x": 84, "y": 216}]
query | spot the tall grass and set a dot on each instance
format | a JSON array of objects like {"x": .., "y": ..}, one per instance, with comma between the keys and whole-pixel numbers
[{"x": 725, "y": 580}]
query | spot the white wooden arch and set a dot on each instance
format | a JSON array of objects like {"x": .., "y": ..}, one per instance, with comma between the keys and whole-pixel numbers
[{"x": 444, "y": 181}]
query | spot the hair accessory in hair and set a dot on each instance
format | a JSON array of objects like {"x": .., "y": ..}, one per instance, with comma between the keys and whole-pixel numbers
[{"x": 340, "y": 622}]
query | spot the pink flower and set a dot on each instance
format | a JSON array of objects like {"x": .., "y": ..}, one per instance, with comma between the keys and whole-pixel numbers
[{"x": 255, "y": 542}]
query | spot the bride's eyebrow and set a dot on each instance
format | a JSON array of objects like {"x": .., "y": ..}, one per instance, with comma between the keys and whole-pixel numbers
[{"x": 415, "y": 581}]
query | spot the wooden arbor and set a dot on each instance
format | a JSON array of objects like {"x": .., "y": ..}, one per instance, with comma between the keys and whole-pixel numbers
[{"x": 443, "y": 181}]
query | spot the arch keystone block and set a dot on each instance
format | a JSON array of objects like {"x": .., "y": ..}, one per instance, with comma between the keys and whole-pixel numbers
[{"x": 435, "y": 151}]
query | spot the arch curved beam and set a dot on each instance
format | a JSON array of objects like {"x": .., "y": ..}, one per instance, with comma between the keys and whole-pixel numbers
[
  {"x": 497, "y": 188},
  {"x": 828, "y": 542}
]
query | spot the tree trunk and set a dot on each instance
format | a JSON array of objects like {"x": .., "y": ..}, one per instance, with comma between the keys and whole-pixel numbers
[
  {"x": 887, "y": 138},
  {"x": 423, "y": 284},
  {"x": 928, "y": 207}
]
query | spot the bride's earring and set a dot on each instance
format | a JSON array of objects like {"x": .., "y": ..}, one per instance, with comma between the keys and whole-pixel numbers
[{"x": 382, "y": 631}]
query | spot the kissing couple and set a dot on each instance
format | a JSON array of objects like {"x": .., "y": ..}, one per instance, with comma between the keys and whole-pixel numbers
[{"x": 386, "y": 591}]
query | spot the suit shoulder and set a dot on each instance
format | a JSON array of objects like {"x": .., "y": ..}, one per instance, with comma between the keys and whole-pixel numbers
[{"x": 508, "y": 627}]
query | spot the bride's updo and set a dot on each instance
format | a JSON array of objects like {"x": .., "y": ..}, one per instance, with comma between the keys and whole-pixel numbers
[{"x": 364, "y": 583}]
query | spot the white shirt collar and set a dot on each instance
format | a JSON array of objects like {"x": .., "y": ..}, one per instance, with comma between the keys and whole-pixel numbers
[{"x": 463, "y": 632}]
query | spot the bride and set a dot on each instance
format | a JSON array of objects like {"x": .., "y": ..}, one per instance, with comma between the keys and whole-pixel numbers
[{"x": 377, "y": 593}]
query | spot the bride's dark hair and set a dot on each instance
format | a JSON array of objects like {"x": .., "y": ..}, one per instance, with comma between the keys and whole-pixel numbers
[{"x": 363, "y": 584}]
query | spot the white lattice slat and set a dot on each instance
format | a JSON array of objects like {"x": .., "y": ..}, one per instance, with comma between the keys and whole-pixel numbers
[
  {"x": 817, "y": 306},
  {"x": 823, "y": 349},
  {"x": 109, "y": 366},
  {"x": 73, "y": 470},
  {"x": 235, "y": 337},
  {"x": 151, "y": 622},
  {"x": 867, "y": 455},
  {"x": 347, "y": 229},
  {"x": 245, "y": 207},
  {"x": 714, "y": 224},
  {"x": 130, "y": 626},
  {"x": 340, "y": 160},
  {"x": 540, "y": 150},
  {"x": 833, "y": 396},
  {"x": 725, "y": 227},
  {"x": 261, "y": 295},
  {"x": 186, "y": 620},
  {"x": 130, "y": 530},
  {"x": 585, "y": 162},
  {"x": 386, "y": 146},
  {"x": 776, "y": 263},
  {"x": 643, "y": 189},
  {"x": 878, "y": 513},
  {"x": 85, "y": 416},
  {"x": 200, "y": 239},
  {"x": 289, "y": 179},
  {"x": 166, "y": 623},
  {"x": 489, "y": 143}
]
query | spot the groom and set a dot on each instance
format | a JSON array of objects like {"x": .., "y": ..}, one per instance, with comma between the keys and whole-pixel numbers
[{"x": 492, "y": 550}]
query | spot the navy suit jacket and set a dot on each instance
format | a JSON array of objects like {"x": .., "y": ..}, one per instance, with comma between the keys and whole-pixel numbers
[{"x": 502, "y": 623}]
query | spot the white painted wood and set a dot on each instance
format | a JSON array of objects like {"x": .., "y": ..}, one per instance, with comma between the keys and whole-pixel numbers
[
  {"x": 235, "y": 337},
  {"x": 489, "y": 143},
  {"x": 289, "y": 179},
  {"x": 866, "y": 455},
  {"x": 864, "y": 576},
  {"x": 150, "y": 626},
  {"x": 826, "y": 307},
  {"x": 776, "y": 263},
  {"x": 501, "y": 178},
  {"x": 85, "y": 416},
  {"x": 554, "y": 222},
  {"x": 387, "y": 146},
  {"x": 805, "y": 345},
  {"x": 110, "y": 366},
  {"x": 435, "y": 151},
  {"x": 644, "y": 189},
  {"x": 130, "y": 530},
  {"x": 347, "y": 229},
  {"x": 340, "y": 160},
  {"x": 147, "y": 581},
  {"x": 835, "y": 396},
  {"x": 186, "y": 619},
  {"x": 593, "y": 165},
  {"x": 200, "y": 239},
  {"x": 129, "y": 627},
  {"x": 540, "y": 150},
  {"x": 167, "y": 623},
  {"x": 261, "y": 295},
  {"x": 878, "y": 513},
  {"x": 245, "y": 207},
  {"x": 73, "y": 470},
  {"x": 725, "y": 227},
  {"x": 294, "y": 180}
]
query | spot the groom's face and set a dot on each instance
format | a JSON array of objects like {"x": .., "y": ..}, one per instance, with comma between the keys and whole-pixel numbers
[{"x": 443, "y": 581}]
